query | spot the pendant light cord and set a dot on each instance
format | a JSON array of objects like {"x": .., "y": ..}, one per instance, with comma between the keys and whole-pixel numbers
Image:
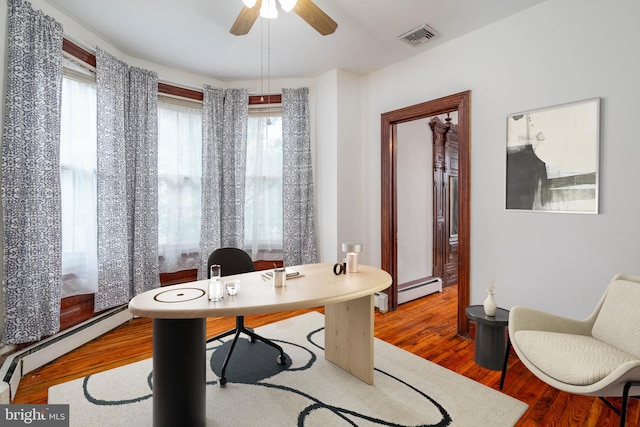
[
  {"x": 261, "y": 60},
  {"x": 268, "y": 74}
]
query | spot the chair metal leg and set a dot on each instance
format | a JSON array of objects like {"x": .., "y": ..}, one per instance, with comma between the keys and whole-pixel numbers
[
  {"x": 625, "y": 400},
  {"x": 505, "y": 363},
  {"x": 222, "y": 335},
  {"x": 240, "y": 328},
  {"x": 281, "y": 358},
  {"x": 223, "y": 376},
  {"x": 610, "y": 405}
]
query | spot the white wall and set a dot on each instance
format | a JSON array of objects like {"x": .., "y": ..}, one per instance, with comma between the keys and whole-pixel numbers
[
  {"x": 325, "y": 167},
  {"x": 414, "y": 198},
  {"x": 338, "y": 163},
  {"x": 559, "y": 51},
  {"x": 351, "y": 188}
]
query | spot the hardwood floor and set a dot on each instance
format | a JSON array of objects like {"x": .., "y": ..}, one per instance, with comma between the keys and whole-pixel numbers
[{"x": 426, "y": 327}]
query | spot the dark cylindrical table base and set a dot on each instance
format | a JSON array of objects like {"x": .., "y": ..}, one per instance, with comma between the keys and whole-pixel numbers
[
  {"x": 179, "y": 376},
  {"x": 491, "y": 336},
  {"x": 491, "y": 344}
]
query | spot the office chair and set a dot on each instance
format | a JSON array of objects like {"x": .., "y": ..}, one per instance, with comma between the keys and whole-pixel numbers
[{"x": 236, "y": 261}]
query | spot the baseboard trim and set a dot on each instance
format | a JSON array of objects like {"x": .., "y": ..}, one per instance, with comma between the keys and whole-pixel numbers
[
  {"x": 419, "y": 290},
  {"x": 18, "y": 364}
]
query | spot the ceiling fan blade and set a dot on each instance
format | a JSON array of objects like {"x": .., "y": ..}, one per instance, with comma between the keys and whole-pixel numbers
[
  {"x": 315, "y": 17},
  {"x": 246, "y": 19}
]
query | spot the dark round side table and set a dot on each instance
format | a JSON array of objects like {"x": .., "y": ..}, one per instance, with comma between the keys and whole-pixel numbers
[{"x": 491, "y": 336}]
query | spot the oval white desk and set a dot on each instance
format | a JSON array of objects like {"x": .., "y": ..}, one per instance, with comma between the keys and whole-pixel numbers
[{"x": 179, "y": 315}]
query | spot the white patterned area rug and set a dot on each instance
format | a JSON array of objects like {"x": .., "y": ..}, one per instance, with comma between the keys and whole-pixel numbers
[{"x": 307, "y": 391}]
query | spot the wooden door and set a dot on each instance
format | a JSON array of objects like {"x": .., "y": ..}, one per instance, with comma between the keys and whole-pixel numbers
[{"x": 445, "y": 200}]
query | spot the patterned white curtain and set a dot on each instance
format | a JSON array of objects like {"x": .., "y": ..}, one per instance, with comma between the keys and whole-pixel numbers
[
  {"x": 31, "y": 176},
  {"x": 127, "y": 181},
  {"x": 224, "y": 146},
  {"x": 179, "y": 186},
  {"x": 299, "y": 231}
]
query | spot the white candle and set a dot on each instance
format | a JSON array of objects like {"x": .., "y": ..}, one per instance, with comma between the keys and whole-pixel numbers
[
  {"x": 279, "y": 277},
  {"x": 352, "y": 262}
]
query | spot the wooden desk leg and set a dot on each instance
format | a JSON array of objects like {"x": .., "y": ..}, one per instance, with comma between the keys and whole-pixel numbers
[
  {"x": 179, "y": 372},
  {"x": 349, "y": 336}
]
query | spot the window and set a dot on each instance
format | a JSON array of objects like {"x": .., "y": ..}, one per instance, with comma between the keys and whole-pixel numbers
[
  {"x": 263, "y": 188},
  {"x": 78, "y": 184},
  {"x": 179, "y": 184}
]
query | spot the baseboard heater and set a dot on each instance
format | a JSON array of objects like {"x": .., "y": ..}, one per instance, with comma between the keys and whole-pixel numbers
[
  {"x": 419, "y": 290},
  {"x": 381, "y": 301},
  {"x": 18, "y": 364}
]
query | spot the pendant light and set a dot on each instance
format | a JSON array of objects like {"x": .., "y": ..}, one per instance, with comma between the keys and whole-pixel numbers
[
  {"x": 288, "y": 5},
  {"x": 269, "y": 9}
]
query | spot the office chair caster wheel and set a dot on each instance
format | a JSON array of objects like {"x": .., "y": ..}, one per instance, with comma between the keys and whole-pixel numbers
[
  {"x": 252, "y": 339},
  {"x": 281, "y": 360},
  {"x": 222, "y": 381}
]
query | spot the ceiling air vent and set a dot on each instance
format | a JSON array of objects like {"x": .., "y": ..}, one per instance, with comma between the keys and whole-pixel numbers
[{"x": 419, "y": 35}]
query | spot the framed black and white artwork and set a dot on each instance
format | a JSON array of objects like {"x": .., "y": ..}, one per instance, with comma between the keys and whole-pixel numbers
[{"x": 552, "y": 158}]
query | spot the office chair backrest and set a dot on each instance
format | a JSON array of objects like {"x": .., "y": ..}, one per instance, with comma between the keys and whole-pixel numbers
[{"x": 231, "y": 261}]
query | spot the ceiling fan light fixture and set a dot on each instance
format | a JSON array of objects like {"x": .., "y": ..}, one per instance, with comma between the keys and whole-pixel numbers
[
  {"x": 305, "y": 9},
  {"x": 249, "y": 3},
  {"x": 288, "y": 5},
  {"x": 269, "y": 9}
]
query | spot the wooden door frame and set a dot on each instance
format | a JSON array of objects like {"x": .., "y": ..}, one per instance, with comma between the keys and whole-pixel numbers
[{"x": 459, "y": 102}]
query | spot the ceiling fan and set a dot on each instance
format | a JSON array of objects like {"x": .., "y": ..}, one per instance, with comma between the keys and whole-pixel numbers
[{"x": 305, "y": 9}]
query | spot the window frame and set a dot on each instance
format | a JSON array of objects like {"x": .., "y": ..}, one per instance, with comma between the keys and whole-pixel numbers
[
  {"x": 88, "y": 58},
  {"x": 187, "y": 103},
  {"x": 263, "y": 110}
]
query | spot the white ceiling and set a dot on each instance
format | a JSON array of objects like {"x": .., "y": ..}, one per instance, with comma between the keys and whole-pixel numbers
[{"x": 193, "y": 35}]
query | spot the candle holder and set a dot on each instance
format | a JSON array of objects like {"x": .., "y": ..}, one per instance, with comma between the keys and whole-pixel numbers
[{"x": 352, "y": 250}]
